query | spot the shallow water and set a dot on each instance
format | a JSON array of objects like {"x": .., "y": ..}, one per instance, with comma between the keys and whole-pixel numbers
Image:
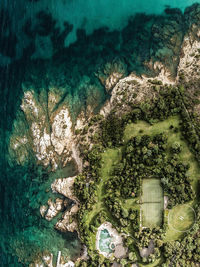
[
  {"x": 23, "y": 189},
  {"x": 88, "y": 15}
]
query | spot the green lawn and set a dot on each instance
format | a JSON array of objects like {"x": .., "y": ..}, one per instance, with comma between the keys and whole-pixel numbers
[
  {"x": 181, "y": 218},
  {"x": 109, "y": 158},
  {"x": 151, "y": 203},
  {"x": 134, "y": 129},
  {"x": 157, "y": 263}
]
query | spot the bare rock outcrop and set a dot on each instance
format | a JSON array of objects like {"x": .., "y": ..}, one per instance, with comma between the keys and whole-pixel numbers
[
  {"x": 42, "y": 130},
  {"x": 64, "y": 186},
  {"x": 68, "y": 222},
  {"x": 52, "y": 208}
]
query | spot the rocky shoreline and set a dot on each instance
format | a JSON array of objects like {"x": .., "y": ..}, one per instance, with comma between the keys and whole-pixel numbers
[{"x": 44, "y": 131}]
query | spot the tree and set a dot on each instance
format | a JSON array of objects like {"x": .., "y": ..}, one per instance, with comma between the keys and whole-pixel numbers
[
  {"x": 125, "y": 213},
  {"x": 132, "y": 256},
  {"x": 123, "y": 262},
  {"x": 176, "y": 147}
]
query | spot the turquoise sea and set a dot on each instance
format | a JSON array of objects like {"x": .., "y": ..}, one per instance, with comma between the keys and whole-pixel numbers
[{"x": 61, "y": 42}]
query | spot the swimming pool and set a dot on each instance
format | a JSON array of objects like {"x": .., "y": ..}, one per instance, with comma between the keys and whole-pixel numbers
[{"x": 105, "y": 242}]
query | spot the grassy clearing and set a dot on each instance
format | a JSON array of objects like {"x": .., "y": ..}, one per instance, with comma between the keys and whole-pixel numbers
[
  {"x": 152, "y": 203},
  {"x": 171, "y": 234},
  {"x": 157, "y": 263},
  {"x": 109, "y": 158},
  {"x": 181, "y": 218},
  {"x": 142, "y": 127}
]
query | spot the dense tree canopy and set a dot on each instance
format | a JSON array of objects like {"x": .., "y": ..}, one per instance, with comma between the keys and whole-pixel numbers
[{"x": 143, "y": 156}]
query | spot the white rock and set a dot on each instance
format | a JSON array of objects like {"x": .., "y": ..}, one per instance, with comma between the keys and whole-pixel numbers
[
  {"x": 64, "y": 186},
  {"x": 53, "y": 209},
  {"x": 61, "y": 131},
  {"x": 43, "y": 210}
]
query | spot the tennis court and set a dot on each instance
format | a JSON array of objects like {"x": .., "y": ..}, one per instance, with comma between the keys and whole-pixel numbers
[{"x": 152, "y": 203}]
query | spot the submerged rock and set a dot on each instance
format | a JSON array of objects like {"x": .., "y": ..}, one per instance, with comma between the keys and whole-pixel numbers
[
  {"x": 174, "y": 56},
  {"x": 43, "y": 210},
  {"x": 47, "y": 261},
  {"x": 112, "y": 73}
]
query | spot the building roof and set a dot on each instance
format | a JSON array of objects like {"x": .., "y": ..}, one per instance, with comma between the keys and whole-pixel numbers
[
  {"x": 115, "y": 264},
  {"x": 120, "y": 251}
]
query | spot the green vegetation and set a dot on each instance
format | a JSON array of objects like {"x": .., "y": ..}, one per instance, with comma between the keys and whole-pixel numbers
[
  {"x": 185, "y": 251},
  {"x": 181, "y": 218},
  {"x": 152, "y": 203},
  {"x": 171, "y": 234},
  {"x": 151, "y": 151},
  {"x": 143, "y": 127},
  {"x": 172, "y": 128},
  {"x": 108, "y": 159},
  {"x": 157, "y": 262}
]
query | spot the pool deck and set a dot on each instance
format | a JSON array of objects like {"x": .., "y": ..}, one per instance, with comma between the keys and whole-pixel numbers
[{"x": 117, "y": 238}]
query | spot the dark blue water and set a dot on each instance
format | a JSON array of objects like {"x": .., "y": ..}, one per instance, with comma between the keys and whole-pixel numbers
[{"x": 44, "y": 42}]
